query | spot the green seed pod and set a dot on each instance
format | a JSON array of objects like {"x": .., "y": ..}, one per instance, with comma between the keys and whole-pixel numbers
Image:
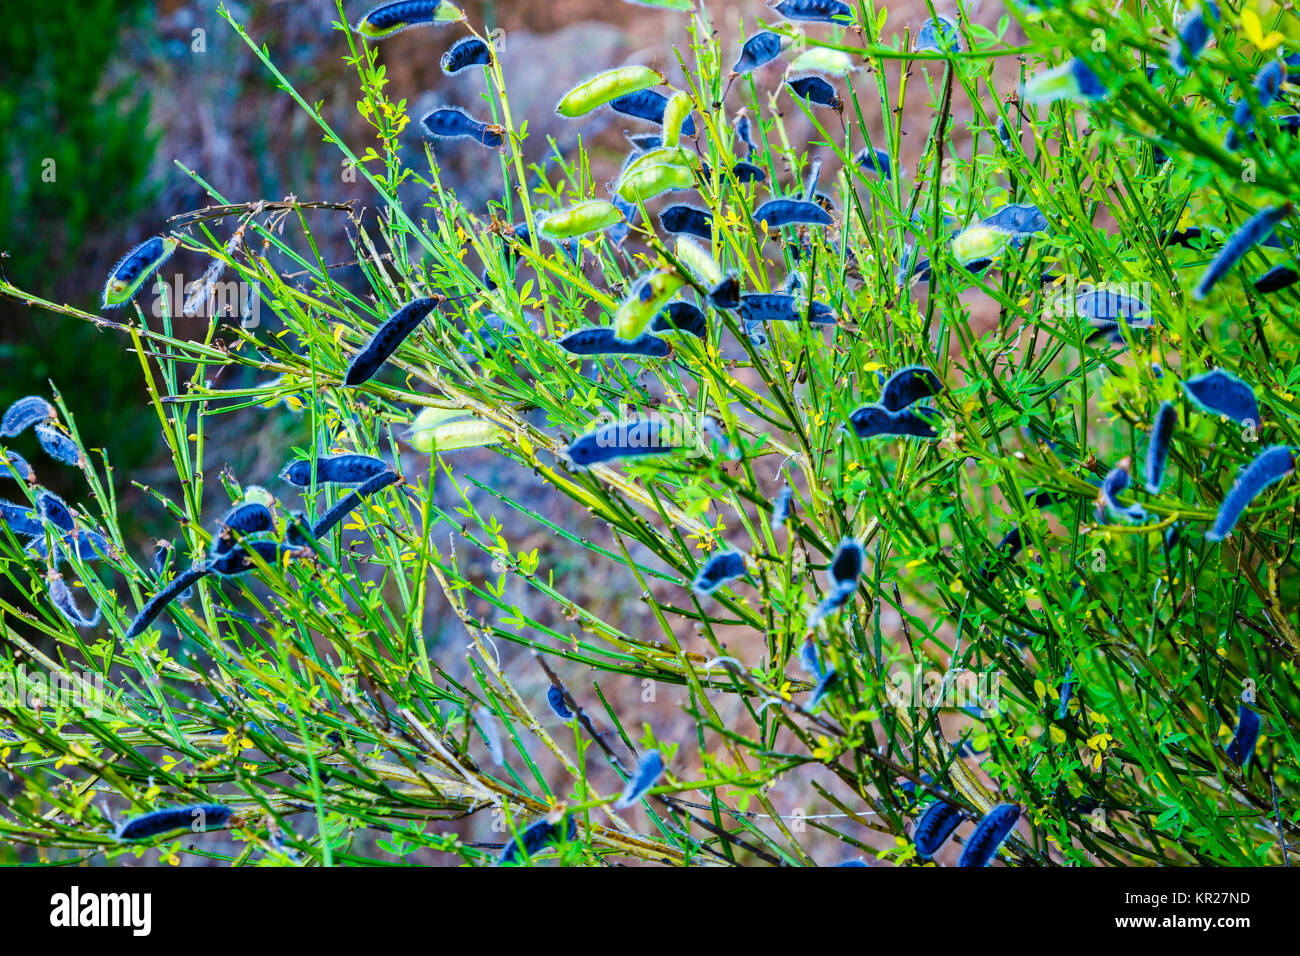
[
  {"x": 702, "y": 265},
  {"x": 663, "y": 156},
  {"x": 650, "y": 295},
  {"x": 650, "y": 181},
  {"x": 135, "y": 267},
  {"x": 822, "y": 60},
  {"x": 420, "y": 435},
  {"x": 675, "y": 113},
  {"x": 451, "y": 436},
  {"x": 580, "y": 220},
  {"x": 977, "y": 242},
  {"x": 603, "y": 87}
]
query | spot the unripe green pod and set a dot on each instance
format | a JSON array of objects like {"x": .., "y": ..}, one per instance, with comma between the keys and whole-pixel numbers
[
  {"x": 429, "y": 418},
  {"x": 451, "y": 436},
  {"x": 603, "y": 87},
  {"x": 702, "y": 265},
  {"x": 580, "y": 220},
  {"x": 822, "y": 60},
  {"x": 977, "y": 242},
  {"x": 649, "y": 295},
  {"x": 650, "y": 181},
  {"x": 663, "y": 156},
  {"x": 675, "y": 113}
]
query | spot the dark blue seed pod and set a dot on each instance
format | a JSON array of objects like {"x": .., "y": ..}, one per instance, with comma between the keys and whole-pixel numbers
[
  {"x": 24, "y": 413},
  {"x": 63, "y": 601},
  {"x": 874, "y": 161},
  {"x": 21, "y": 521},
  {"x": 1104, "y": 306},
  {"x": 1189, "y": 43},
  {"x": 821, "y": 11},
  {"x": 937, "y": 823},
  {"x": 846, "y": 566},
  {"x": 726, "y": 294},
  {"x": 745, "y": 133},
  {"x": 1271, "y": 465},
  {"x": 1017, "y": 219},
  {"x": 828, "y": 682},
  {"x": 718, "y": 570},
  {"x": 908, "y": 386},
  {"x": 782, "y": 507},
  {"x": 835, "y": 601},
  {"x": 133, "y": 269},
  {"x": 639, "y": 437},
  {"x": 871, "y": 421},
  {"x": 989, "y": 835},
  {"x": 334, "y": 470},
  {"x": 690, "y": 220},
  {"x": 1108, "y": 506},
  {"x": 533, "y": 839},
  {"x": 1162, "y": 430},
  {"x": 252, "y": 517},
  {"x": 197, "y": 818},
  {"x": 87, "y": 545},
  {"x": 1242, "y": 746},
  {"x": 1067, "y": 691},
  {"x": 789, "y": 212},
  {"x": 1268, "y": 83},
  {"x": 599, "y": 340},
  {"x": 58, "y": 445},
  {"x": 681, "y": 317},
  {"x": 1276, "y": 279},
  {"x": 351, "y": 501},
  {"x": 239, "y": 560},
  {"x": 648, "y": 772},
  {"x": 1253, "y": 231},
  {"x": 162, "y": 559},
  {"x": 465, "y": 52},
  {"x": 16, "y": 466},
  {"x": 938, "y": 35},
  {"x": 52, "y": 509},
  {"x": 1222, "y": 393},
  {"x": 815, "y": 90},
  {"x": 810, "y": 659},
  {"x": 396, "y": 329},
  {"x": 649, "y": 106},
  {"x": 759, "y": 49},
  {"x": 746, "y": 173},
  {"x": 555, "y": 697},
  {"x": 154, "y": 606},
  {"x": 769, "y": 307},
  {"x": 452, "y": 122}
]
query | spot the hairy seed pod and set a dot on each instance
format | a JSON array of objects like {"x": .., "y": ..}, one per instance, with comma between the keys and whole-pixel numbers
[
  {"x": 828, "y": 682},
  {"x": 618, "y": 233},
  {"x": 454, "y": 436},
  {"x": 154, "y": 606},
  {"x": 1254, "y": 230},
  {"x": 681, "y": 317},
  {"x": 871, "y": 421},
  {"x": 17, "y": 467},
  {"x": 1268, "y": 83},
  {"x": 239, "y": 560},
  {"x": 835, "y": 601},
  {"x": 20, "y": 520},
  {"x": 162, "y": 559},
  {"x": 1271, "y": 465},
  {"x": 1222, "y": 393},
  {"x": 701, "y": 266},
  {"x": 676, "y": 110},
  {"x": 63, "y": 601},
  {"x": 782, "y": 507},
  {"x": 650, "y": 294},
  {"x": 555, "y": 698},
  {"x": 88, "y": 546},
  {"x": 815, "y": 90},
  {"x": 51, "y": 508},
  {"x": 908, "y": 386},
  {"x": 389, "y": 19},
  {"x": 1276, "y": 279},
  {"x": 747, "y": 173},
  {"x": 465, "y": 52},
  {"x": 1162, "y": 431},
  {"x": 197, "y": 818},
  {"x": 976, "y": 245},
  {"x": 351, "y": 502},
  {"x": 938, "y": 35},
  {"x": 874, "y": 161},
  {"x": 635, "y": 438},
  {"x": 648, "y": 105},
  {"x": 24, "y": 413},
  {"x": 1073, "y": 80},
  {"x": 579, "y": 220},
  {"x": 663, "y": 156},
  {"x": 690, "y": 220},
  {"x": 1105, "y": 306},
  {"x": 761, "y": 48},
  {"x": 131, "y": 271},
  {"x": 648, "y": 772},
  {"x": 820, "y": 59},
  {"x": 989, "y": 835},
  {"x": 532, "y": 840},
  {"x": 650, "y": 181},
  {"x": 934, "y": 827},
  {"x": 819, "y": 11},
  {"x": 1189, "y": 43},
  {"x": 395, "y": 330},
  {"x": 776, "y": 213},
  {"x": 783, "y": 307},
  {"x": 59, "y": 446},
  {"x": 846, "y": 566},
  {"x": 810, "y": 659},
  {"x": 1242, "y": 746},
  {"x": 452, "y": 122},
  {"x": 718, "y": 570},
  {"x": 726, "y": 294},
  {"x": 598, "y": 340},
  {"x": 242, "y": 520},
  {"x": 1108, "y": 506},
  {"x": 745, "y": 133},
  {"x": 344, "y": 469},
  {"x": 1017, "y": 219},
  {"x": 1066, "y": 692},
  {"x": 605, "y": 87}
]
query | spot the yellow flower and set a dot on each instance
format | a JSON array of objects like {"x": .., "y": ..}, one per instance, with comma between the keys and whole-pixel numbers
[{"x": 1255, "y": 31}]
